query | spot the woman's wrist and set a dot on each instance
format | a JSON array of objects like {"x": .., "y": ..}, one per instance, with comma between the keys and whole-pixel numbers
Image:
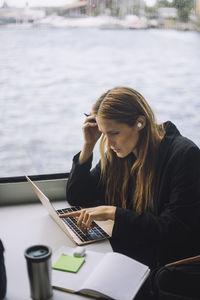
[
  {"x": 112, "y": 211},
  {"x": 85, "y": 153}
]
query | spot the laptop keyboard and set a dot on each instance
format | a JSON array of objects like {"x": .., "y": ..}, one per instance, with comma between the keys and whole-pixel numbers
[{"x": 94, "y": 233}]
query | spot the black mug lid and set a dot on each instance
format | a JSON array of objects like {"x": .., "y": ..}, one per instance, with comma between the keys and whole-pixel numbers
[{"x": 37, "y": 253}]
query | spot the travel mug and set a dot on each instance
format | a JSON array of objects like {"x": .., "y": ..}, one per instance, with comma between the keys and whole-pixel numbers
[{"x": 38, "y": 259}]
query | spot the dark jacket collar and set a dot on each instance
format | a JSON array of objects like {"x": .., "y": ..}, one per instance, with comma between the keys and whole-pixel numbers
[
  {"x": 171, "y": 132},
  {"x": 170, "y": 129}
]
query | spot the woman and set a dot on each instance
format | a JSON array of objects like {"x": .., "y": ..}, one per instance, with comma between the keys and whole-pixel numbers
[{"x": 148, "y": 180}]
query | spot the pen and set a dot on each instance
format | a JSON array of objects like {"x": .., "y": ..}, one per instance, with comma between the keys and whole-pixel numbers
[{"x": 93, "y": 120}]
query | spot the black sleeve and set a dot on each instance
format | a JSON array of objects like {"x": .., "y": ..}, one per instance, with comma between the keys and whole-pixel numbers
[
  {"x": 83, "y": 186},
  {"x": 3, "y": 280},
  {"x": 180, "y": 216}
]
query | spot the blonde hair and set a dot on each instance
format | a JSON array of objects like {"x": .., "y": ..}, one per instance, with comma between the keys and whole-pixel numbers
[{"x": 125, "y": 105}]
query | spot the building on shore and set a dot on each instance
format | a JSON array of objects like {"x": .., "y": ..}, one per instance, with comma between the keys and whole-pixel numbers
[
  {"x": 117, "y": 8},
  {"x": 198, "y": 9},
  {"x": 167, "y": 16},
  {"x": 19, "y": 15},
  {"x": 74, "y": 9}
]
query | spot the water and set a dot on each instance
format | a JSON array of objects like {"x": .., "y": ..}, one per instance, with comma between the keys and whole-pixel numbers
[{"x": 49, "y": 77}]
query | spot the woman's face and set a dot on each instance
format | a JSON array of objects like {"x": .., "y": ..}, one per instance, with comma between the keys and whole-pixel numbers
[{"x": 121, "y": 138}]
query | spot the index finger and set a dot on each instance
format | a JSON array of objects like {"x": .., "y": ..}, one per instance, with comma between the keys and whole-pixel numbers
[
  {"x": 90, "y": 118},
  {"x": 71, "y": 214}
]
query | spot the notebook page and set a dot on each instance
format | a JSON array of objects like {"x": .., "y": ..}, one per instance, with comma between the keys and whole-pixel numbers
[
  {"x": 74, "y": 281},
  {"x": 117, "y": 276}
]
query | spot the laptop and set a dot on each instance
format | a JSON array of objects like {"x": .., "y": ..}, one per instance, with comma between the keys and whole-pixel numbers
[{"x": 68, "y": 225}]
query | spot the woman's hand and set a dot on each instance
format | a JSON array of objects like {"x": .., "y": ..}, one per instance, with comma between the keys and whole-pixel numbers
[
  {"x": 87, "y": 215},
  {"x": 91, "y": 132},
  {"x": 91, "y": 135}
]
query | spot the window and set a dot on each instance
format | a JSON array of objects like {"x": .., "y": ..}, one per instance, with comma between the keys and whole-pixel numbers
[{"x": 51, "y": 75}]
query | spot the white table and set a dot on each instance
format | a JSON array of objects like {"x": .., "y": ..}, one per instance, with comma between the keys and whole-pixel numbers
[{"x": 26, "y": 225}]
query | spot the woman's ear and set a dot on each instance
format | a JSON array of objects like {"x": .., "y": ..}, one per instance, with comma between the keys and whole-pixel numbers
[{"x": 141, "y": 122}]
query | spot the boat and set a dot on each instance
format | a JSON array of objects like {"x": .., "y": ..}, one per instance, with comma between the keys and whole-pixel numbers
[{"x": 135, "y": 22}]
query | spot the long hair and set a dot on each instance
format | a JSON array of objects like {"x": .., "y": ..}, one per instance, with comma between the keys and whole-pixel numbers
[{"x": 125, "y": 105}]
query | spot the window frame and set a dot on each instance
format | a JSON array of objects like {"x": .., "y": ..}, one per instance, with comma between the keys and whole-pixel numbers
[{"x": 16, "y": 190}]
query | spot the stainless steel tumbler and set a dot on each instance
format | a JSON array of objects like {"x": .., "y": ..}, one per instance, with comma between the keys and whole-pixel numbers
[{"x": 38, "y": 260}]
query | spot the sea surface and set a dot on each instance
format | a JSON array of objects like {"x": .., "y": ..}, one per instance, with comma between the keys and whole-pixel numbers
[{"x": 50, "y": 77}]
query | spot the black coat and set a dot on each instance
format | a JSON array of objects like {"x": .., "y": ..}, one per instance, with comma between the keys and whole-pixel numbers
[
  {"x": 171, "y": 229},
  {"x": 3, "y": 279}
]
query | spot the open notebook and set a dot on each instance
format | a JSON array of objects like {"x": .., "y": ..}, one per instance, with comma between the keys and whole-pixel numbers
[
  {"x": 108, "y": 275},
  {"x": 68, "y": 225}
]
